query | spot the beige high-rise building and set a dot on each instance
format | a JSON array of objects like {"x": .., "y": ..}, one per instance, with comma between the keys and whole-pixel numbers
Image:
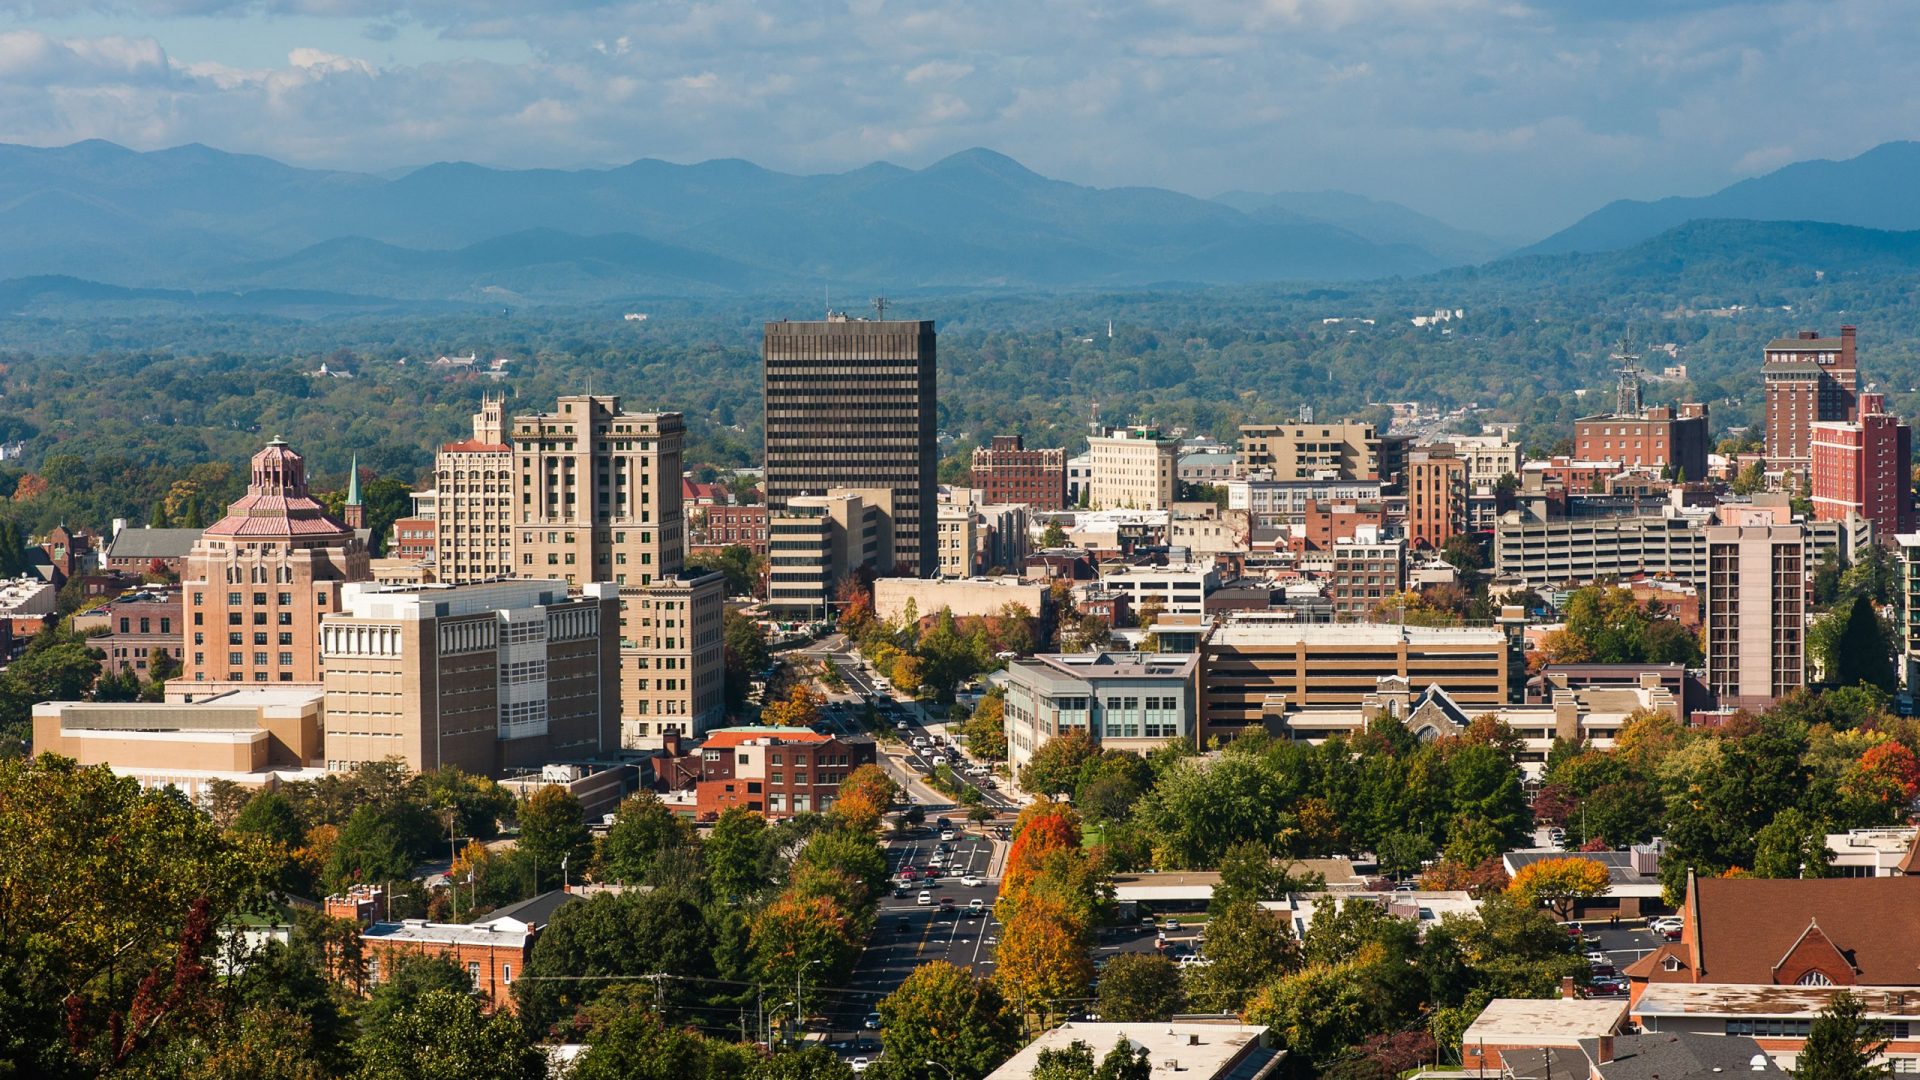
[
  {"x": 1348, "y": 450},
  {"x": 1756, "y": 612},
  {"x": 1134, "y": 468},
  {"x": 598, "y": 498},
  {"x": 258, "y": 581},
  {"x": 473, "y": 527},
  {"x": 818, "y": 540},
  {"x": 496, "y": 678},
  {"x": 958, "y": 537}
]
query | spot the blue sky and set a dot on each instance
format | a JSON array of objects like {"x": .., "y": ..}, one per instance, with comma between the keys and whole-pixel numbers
[{"x": 1509, "y": 116}]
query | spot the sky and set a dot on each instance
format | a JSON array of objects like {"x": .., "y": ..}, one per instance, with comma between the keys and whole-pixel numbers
[{"x": 1512, "y": 117}]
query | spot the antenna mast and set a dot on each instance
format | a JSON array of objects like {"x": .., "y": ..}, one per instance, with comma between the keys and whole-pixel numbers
[{"x": 880, "y": 305}]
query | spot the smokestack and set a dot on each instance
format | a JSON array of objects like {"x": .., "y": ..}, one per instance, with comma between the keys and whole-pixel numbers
[{"x": 1606, "y": 1050}]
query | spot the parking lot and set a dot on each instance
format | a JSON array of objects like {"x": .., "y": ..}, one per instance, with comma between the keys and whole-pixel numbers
[{"x": 1615, "y": 948}]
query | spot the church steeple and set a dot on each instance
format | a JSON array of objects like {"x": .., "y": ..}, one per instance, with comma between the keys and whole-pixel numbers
[{"x": 355, "y": 513}]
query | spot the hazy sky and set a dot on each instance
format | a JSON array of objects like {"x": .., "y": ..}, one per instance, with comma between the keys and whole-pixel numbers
[{"x": 1512, "y": 116}]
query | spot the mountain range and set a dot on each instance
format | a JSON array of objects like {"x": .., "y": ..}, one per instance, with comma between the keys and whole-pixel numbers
[{"x": 194, "y": 217}]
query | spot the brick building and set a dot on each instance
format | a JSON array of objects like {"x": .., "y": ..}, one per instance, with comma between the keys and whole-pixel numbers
[
  {"x": 472, "y": 536},
  {"x": 1809, "y": 379},
  {"x": 136, "y": 623},
  {"x": 142, "y": 551},
  {"x": 1436, "y": 498},
  {"x": 1864, "y": 468},
  {"x": 493, "y": 953},
  {"x": 731, "y": 526},
  {"x": 776, "y": 771},
  {"x": 1005, "y": 471},
  {"x": 414, "y": 539},
  {"x": 1653, "y": 438},
  {"x": 1366, "y": 570}
]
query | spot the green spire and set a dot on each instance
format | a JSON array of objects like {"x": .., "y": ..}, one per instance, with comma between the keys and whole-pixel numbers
[{"x": 353, "y": 482}]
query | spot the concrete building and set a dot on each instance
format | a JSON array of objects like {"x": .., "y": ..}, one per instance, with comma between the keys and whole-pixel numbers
[
  {"x": 1756, "y": 612},
  {"x": 1436, "y": 497},
  {"x": 1123, "y": 701},
  {"x": 260, "y": 579},
  {"x": 958, "y": 534},
  {"x": 1864, "y": 468},
  {"x": 1206, "y": 466},
  {"x": 1079, "y": 479},
  {"x": 965, "y": 597},
  {"x": 474, "y": 501},
  {"x": 133, "y": 625},
  {"x": 1488, "y": 457},
  {"x": 1543, "y": 552},
  {"x": 1176, "y": 589},
  {"x": 1808, "y": 379},
  {"x": 1348, "y": 450},
  {"x": 1134, "y": 468},
  {"x": 256, "y": 736},
  {"x": 1286, "y": 504},
  {"x": 1366, "y": 570},
  {"x": 27, "y": 597},
  {"x": 1005, "y": 471},
  {"x": 850, "y": 404},
  {"x": 1887, "y": 852},
  {"x": 600, "y": 500},
  {"x": 818, "y": 541},
  {"x": 1910, "y": 579},
  {"x": 1187, "y": 1049},
  {"x": 1253, "y": 670},
  {"x": 494, "y": 678}
]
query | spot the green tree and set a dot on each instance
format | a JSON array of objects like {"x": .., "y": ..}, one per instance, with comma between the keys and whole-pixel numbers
[
  {"x": 644, "y": 836},
  {"x": 1401, "y": 853},
  {"x": 1055, "y": 766},
  {"x": 944, "y": 1013},
  {"x": 607, "y": 937},
  {"x": 1248, "y": 945},
  {"x": 736, "y": 853},
  {"x": 1863, "y": 653},
  {"x": 1792, "y": 845},
  {"x": 629, "y": 1041},
  {"x": 446, "y": 1036},
  {"x": 553, "y": 828},
  {"x": 1843, "y": 1044},
  {"x": 370, "y": 849},
  {"x": 1317, "y": 1012},
  {"x": 1139, "y": 987},
  {"x": 1053, "y": 536},
  {"x": 810, "y": 1063},
  {"x": 269, "y": 814},
  {"x": 986, "y": 728}
]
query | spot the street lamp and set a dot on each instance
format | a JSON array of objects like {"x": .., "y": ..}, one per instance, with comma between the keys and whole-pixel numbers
[
  {"x": 943, "y": 1068},
  {"x": 797, "y": 1011}
]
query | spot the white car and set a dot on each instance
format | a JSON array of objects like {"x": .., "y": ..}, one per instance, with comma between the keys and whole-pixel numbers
[
  {"x": 973, "y": 881},
  {"x": 939, "y": 761},
  {"x": 976, "y": 905},
  {"x": 1598, "y": 958},
  {"x": 899, "y": 725},
  {"x": 858, "y": 1065},
  {"x": 947, "y": 835},
  {"x": 926, "y": 899}
]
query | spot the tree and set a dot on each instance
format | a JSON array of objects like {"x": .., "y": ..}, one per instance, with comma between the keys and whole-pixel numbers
[
  {"x": 1042, "y": 958},
  {"x": 1317, "y": 1012},
  {"x": 644, "y": 836},
  {"x": 746, "y": 653},
  {"x": 269, "y": 815},
  {"x": 630, "y": 1042},
  {"x": 1139, "y": 987},
  {"x": 1401, "y": 853},
  {"x": 1863, "y": 653},
  {"x": 908, "y": 674},
  {"x": 1843, "y": 1044},
  {"x": 1248, "y": 945},
  {"x": 1055, "y": 766},
  {"x": 1750, "y": 479},
  {"x": 800, "y": 708},
  {"x": 1559, "y": 884},
  {"x": 1792, "y": 845},
  {"x": 446, "y": 1036},
  {"x": 370, "y": 849},
  {"x": 1053, "y": 536},
  {"x": 864, "y": 795},
  {"x": 986, "y": 728},
  {"x": 736, "y": 854},
  {"x": 591, "y": 943},
  {"x": 945, "y": 1013},
  {"x": 553, "y": 828}
]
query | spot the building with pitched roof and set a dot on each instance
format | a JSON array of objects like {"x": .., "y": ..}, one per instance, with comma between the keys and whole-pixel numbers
[{"x": 1653, "y": 1056}]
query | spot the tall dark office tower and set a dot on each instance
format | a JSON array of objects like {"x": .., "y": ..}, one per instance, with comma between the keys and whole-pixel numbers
[{"x": 850, "y": 404}]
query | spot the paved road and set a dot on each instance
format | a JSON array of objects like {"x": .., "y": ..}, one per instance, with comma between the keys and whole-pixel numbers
[
  {"x": 1622, "y": 945},
  {"x": 909, "y": 934},
  {"x": 898, "y": 711}
]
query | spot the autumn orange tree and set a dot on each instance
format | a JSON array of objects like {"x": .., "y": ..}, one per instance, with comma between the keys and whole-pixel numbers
[
  {"x": 1042, "y": 959},
  {"x": 800, "y": 708},
  {"x": 864, "y": 795},
  {"x": 1559, "y": 884}
]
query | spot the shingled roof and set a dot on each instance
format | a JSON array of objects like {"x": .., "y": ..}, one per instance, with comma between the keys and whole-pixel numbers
[{"x": 1849, "y": 931}]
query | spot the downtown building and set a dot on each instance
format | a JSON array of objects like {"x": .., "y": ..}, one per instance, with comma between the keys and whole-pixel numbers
[
  {"x": 1134, "y": 468},
  {"x": 1756, "y": 612},
  {"x": 1349, "y": 450},
  {"x": 599, "y": 499},
  {"x": 1007, "y": 472},
  {"x": 1864, "y": 468},
  {"x": 1643, "y": 437},
  {"x": 850, "y": 404},
  {"x": 259, "y": 580},
  {"x": 1808, "y": 379},
  {"x": 473, "y": 504}
]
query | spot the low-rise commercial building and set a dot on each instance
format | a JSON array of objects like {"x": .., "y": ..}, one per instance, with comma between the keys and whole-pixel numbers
[
  {"x": 1190, "y": 1049},
  {"x": 964, "y": 597},
  {"x": 776, "y": 771},
  {"x": 131, "y": 626},
  {"x": 1125, "y": 701},
  {"x": 1175, "y": 590}
]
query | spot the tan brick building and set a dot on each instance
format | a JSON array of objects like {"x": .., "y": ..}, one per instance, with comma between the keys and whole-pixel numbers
[
  {"x": 259, "y": 580},
  {"x": 599, "y": 498},
  {"x": 1349, "y": 450},
  {"x": 473, "y": 516},
  {"x": 1134, "y": 469}
]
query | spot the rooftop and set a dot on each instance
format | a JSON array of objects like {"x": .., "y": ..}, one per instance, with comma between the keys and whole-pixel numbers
[
  {"x": 501, "y": 931},
  {"x": 723, "y": 738},
  {"x": 152, "y": 543},
  {"x": 1549, "y": 1021},
  {"x": 1235, "y": 632},
  {"x": 1727, "y": 999},
  {"x": 1220, "y": 1050}
]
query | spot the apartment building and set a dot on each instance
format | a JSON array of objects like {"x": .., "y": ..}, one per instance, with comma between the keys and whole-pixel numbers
[
  {"x": 600, "y": 500},
  {"x": 494, "y": 678},
  {"x": 1253, "y": 670},
  {"x": 818, "y": 541},
  {"x": 473, "y": 515},
  {"x": 775, "y": 771},
  {"x": 1134, "y": 468},
  {"x": 850, "y": 404},
  {"x": 958, "y": 535},
  {"x": 723, "y": 526},
  {"x": 1488, "y": 457},
  {"x": 259, "y": 580},
  {"x": 1756, "y": 600},
  {"x": 1910, "y": 580},
  {"x": 1366, "y": 570},
  {"x": 1808, "y": 379},
  {"x": 1271, "y": 504},
  {"x": 1348, "y": 450},
  {"x": 1005, "y": 471},
  {"x": 1864, "y": 468},
  {"x": 1436, "y": 497},
  {"x": 1122, "y": 701}
]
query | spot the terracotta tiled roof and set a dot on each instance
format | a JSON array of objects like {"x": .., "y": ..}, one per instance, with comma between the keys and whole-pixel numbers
[
  {"x": 475, "y": 446},
  {"x": 1745, "y": 927},
  {"x": 721, "y": 740}
]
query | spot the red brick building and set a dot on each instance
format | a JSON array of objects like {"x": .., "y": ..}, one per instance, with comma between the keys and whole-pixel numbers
[
  {"x": 1651, "y": 439},
  {"x": 775, "y": 771},
  {"x": 1436, "y": 499},
  {"x": 136, "y": 624},
  {"x": 1323, "y": 525},
  {"x": 493, "y": 953},
  {"x": 1865, "y": 468},
  {"x": 728, "y": 526},
  {"x": 1007, "y": 472},
  {"x": 414, "y": 538},
  {"x": 1809, "y": 380}
]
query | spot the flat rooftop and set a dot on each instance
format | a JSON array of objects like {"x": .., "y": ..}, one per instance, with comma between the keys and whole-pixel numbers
[
  {"x": 1192, "y": 1051},
  {"x": 1239, "y": 633},
  {"x": 1559, "y": 1021}
]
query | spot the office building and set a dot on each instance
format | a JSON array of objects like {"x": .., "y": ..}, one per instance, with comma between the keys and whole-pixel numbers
[
  {"x": 473, "y": 507},
  {"x": 1366, "y": 570},
  {"x": 850, "y": 404},
  {"x": 1272, "y": 504},
  {"x": 1488, "y": 457},
  {"x": 1005, "y": 471},
  {"x": 775, "y": 771},
  {"x": 1079, "y": 479},
  {"x": 1644, "y": 437},
  {"x": 1134, "y": 468},
  {"x": 1176, "y": 589},
  {"x": 259, "y": 580},
  {"x": 1436, "y": 497},
  {"x": 1121, "y": 701},
  {"x": 1348, "y": 450},
  {"x": 1910, "y": 627},
  {"x": 1864, "y": 468},
  {"x": 1756, "y": 598},
  {"x": 599, "y": 500},
  {"x": 1808, "y": 379},
  {"x": 131, "y": 626},
  {"x": 493, "y": 678},
  {"x": 818, "y": 541},
  {"x": 1253, "y": 671}
]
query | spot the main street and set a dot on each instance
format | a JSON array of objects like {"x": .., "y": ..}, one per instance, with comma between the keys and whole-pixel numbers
[{"x": 908, "y": 720}]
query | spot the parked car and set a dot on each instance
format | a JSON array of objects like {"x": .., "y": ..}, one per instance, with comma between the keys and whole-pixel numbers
[
  {"x": 859, "y": 1065},
  {"x": 1195, "y": 960},
  {"x": 872, "y": 1022},
  {"x": 926, "y": 898},
  {"x": 1173, "y": 924},
  {"x": 899, "y": 725}
]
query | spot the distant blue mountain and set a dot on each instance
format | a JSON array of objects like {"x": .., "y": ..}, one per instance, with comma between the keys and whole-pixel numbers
[
  {"x": 1872, "y": 191},
  {"x": 197, "y": 218}
]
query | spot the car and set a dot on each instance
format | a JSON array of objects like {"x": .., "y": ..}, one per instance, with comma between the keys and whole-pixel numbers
[
  {"x": 1663, "y": 924},
  {"x": 976, "y": 905},
  {"x": 1173, "y": 924},
  {"x": 900, "y": 891},
  {"x": 942, "y": 823},
  {"x": 936, "y": 859},
  {"x": 1146, "y": 920},
  {"x": 947, "y": 835},
  {"x": 1596, "y": 958},
  {"x": 1193, "y": 960},
  {"x": 872, "y": 1022},
  {"x": 908, "y": 873},
  {"x": 859, "y": 1064},
  {"x": 938, "y": 761},
  {"x": 926, "y": 898},
  {"x": 899, "y": 725},
  {"x": 973, "y": 881},
  {"x": 946, "y": 902},
  {"x": 1609, "y": 986}
]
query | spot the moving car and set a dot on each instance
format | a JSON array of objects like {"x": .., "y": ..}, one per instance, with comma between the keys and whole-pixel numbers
[
  {"x": 872, "y": 1022},
  {"x": 973, "y": 881},
  {"x": 926, "y": 898},
  {"x": 859, "y": 1064},
  {"x": 947, "y": 835},
  {"x": 976, "y": 905},
  {"x": 1173, "y": 924}
]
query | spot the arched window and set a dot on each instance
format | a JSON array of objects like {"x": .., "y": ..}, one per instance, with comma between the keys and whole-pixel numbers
[{"x": 1815, "y": 977}]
